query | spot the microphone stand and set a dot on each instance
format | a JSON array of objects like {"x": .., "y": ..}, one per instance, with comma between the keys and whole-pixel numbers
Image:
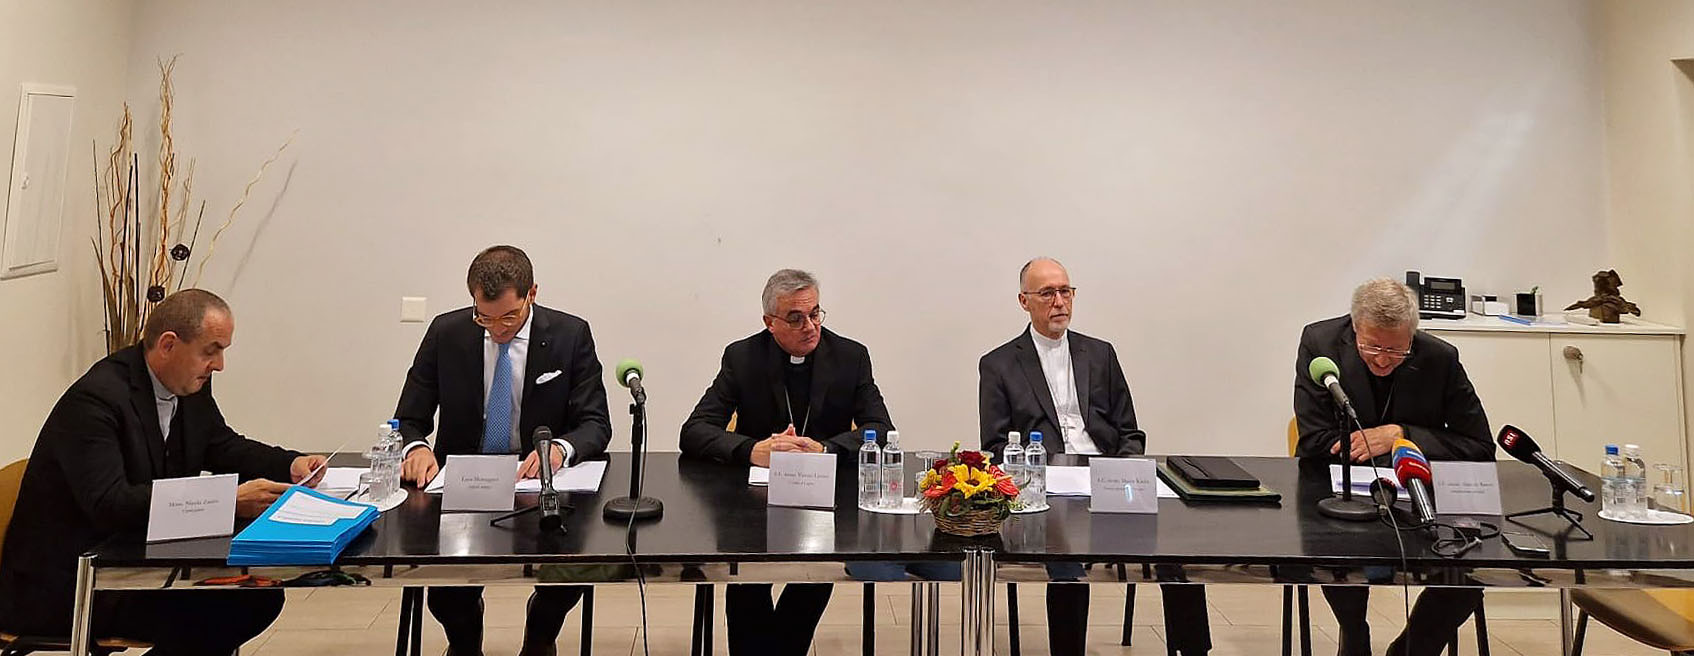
[
  {"x": 564, "y": 506},
  {"x": 1558, "y": 509},
  {"x": 1343, "y": 506},
  {"x": 635, "y": 506}
]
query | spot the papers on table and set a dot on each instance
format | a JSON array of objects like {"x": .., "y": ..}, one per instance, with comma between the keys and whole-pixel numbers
[
  {"x": 759, "y": 476},
  {"x": 1063, "y": 481},
  {"x": 1362, "y": 477},
  {"x": 345, "y": 479},
  {"x": 303, "y": 527},
  {"x": 584, "y": 477}
]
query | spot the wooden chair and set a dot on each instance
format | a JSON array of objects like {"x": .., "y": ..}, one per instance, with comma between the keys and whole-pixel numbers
[
  {"x": 11, "y": 479},
  {"x": 1663, "y": 619}
]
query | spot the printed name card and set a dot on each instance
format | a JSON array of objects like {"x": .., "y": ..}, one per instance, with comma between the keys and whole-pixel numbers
[
  {"x": 1466, "y": 488},
  {"x": 1123, "y": 485},
  {"x": 192, "y": 507},
  {"x": 802, "y": 480},
  {"x": 479, "y": 483}
]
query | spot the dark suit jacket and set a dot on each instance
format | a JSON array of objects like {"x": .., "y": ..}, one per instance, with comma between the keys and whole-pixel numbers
[
  {"x": 447, "y": 373},
  {"x": 91, "y": 475},
  {"x": 1432, "y": 398},
  {"x": 1012, "y": 395},
  {"x": 750, "y": 386}
]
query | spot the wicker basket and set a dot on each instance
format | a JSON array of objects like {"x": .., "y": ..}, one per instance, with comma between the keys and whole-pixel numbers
[{"x": 971, "y": 523}]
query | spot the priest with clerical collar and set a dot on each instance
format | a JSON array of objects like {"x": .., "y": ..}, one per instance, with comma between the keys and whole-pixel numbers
[{"x": 793, "y": 387}]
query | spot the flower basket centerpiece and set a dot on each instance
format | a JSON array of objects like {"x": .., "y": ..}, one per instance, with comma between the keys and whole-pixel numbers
[{"x": 967, "y": 496}]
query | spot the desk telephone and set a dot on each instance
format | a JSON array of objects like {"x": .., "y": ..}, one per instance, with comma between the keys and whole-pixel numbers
[{"x": 1438, "y": 298}]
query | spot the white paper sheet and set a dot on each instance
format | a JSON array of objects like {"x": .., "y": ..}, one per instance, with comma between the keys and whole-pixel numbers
[
  {"x": 759, "y": 476},
  {"x": 584, "y": 477},
  {"x": 1065, "y": 481},
  {"x": 307, "y": 509},
  {"x": 342, "y": 478},
  {"x": 1362, "y": 477}
]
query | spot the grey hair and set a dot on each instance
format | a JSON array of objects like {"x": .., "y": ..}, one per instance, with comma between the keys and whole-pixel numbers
[
  {"x": 783, "y": 283},
  {"x": 1385, "y": 303},
  {"x": 1025, "y": 270}
]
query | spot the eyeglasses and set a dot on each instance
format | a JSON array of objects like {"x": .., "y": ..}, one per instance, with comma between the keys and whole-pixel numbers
[
  {"x": 1049, "y": 295},
  {"x": 506, "y": 320},
  {"x": 797, "y": 321},
  {"x": 1379, "y": 351}
]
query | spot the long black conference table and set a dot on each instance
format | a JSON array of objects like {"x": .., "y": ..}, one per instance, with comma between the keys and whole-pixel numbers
[{"x": 712, "y": 516}]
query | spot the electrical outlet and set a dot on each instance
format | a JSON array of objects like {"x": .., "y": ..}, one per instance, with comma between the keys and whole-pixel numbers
[{"x": 413, "y": 309}]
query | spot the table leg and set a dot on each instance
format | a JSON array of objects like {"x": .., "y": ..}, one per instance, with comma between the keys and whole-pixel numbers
[
  {"x": 1567, "y": 624},
  {"x": 920, "y": 618},
  {"x": 934, "y": 615},
  {"x": 82, "y": 611},
  {"x": 977, "y": 589}
]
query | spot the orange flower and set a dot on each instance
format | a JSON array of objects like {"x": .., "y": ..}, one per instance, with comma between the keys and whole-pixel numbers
[
  {"x": 1006, "y": 487},
  {"x": 944, "y": 487}
]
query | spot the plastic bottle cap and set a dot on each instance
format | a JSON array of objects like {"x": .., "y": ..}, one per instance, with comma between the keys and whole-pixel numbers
[
  {"x": 870, "y": 435},
  {"x": 893, "y": 436},
  {"x": 1035, "y": 436},
  {"x": 1611, "y": 449},
  {"x": 1631, "y": 447},
  {"x": 1014, "y": 436}
]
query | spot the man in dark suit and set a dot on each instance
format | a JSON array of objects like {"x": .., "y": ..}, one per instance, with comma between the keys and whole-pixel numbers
[
  {"x": 1068, "y": 385},
  {"x": 1403, "y": 383},
  {"x": 497, "y": 371},
  {"x": 788, "y": 383},
  {"x": 142, "y": 414}
]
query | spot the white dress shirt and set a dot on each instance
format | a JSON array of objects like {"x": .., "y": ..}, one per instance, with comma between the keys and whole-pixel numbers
[
  {"x": 166, "y": 403},
  {"x": 519, "y": 355},
  {"x": 1055, "y": 356}
]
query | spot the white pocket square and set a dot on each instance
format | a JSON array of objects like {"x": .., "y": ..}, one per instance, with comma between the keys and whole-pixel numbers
[{"x": 544, "y": 378}]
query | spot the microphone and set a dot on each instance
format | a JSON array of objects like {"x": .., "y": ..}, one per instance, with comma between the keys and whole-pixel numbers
[
  {"x": 629, "y": 375},
  {"x": 549, "y": 499},
  {"x": 1521, "y": 446},
  {"x": 1324, "y": 372},
  {"x": 1413, "y": 471},
  {"x": 1383, "y": 491}
]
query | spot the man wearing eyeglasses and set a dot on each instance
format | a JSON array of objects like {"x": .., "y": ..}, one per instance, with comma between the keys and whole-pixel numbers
[
  {"x": 792, "y": 387},
  {"x": 1070, "y": 386},
  {"x": 1403, "y": 383},
  {"x": 496, "y": 371}
]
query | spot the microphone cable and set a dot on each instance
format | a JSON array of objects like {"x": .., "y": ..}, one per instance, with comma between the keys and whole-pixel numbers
[{"x": 629, "y": 539}]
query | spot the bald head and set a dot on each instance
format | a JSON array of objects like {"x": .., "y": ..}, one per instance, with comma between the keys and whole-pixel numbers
[{"x": 1045, "y": 292}]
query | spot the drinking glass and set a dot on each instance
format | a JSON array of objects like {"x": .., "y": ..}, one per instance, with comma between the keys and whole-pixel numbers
[{"x": 1669, "y": 490}]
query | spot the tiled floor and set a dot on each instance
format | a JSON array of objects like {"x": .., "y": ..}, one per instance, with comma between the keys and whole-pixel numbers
[{"x": 1245, "y": 619}]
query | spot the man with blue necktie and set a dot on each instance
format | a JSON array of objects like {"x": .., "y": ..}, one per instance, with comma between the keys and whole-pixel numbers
[{"x": 496, "y": 371}]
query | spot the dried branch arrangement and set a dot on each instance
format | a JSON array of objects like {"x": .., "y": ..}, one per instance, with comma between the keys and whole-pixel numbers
[{"x": 142, "y": 259}]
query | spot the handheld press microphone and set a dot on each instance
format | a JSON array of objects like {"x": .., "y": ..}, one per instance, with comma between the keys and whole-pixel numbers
[
  {"x": 1414, "y": 473},
  {"x": 549, "y": 499},
  {"x": 1521, "y": 446},
  {"x": 629, "y": 375}
]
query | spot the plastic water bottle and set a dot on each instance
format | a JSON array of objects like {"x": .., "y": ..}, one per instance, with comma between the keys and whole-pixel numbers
[
  {"x": 395, "y": 455},
  {"x": 870, "y": 472},
  {"x": 1635, "y": 470},
  {"x": 1615, "y": 494},
  {"x": 1012, "y": 460},
  {"x": 1034, "y": 493},
  {"x": 893, "y": 472}
]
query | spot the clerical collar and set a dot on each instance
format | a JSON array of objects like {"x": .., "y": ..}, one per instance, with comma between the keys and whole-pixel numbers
[
  {"x": 796, "y": 359},
  {"x": 159, "y": 391},
  {"x": 1042, "y": 340}
]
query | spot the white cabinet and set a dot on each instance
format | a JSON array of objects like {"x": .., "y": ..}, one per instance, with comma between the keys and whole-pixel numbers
[{"x": 1614, "y": 384}]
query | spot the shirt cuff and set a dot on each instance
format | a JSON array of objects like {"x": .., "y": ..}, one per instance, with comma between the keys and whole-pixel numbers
[
  {"x": 413, "y": 445},
  {"x": 570, "y": 451}
]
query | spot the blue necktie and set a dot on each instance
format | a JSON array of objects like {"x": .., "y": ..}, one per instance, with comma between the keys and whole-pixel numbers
[{"x": 497, "y": 417}]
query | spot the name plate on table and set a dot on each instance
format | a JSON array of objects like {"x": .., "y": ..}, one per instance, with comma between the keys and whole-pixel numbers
[
  {"x": 1466, "y": 488},
  {"x": 802, "y": 480},
  {"x": 192, "y": 507},
  {"x": 1123, "y": 485},
  {"x": 479, "y": 483}
]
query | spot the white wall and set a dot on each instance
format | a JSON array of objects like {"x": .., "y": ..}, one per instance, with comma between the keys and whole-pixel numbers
[
  {"x": 1214, "y": 174},
  {"x": 1648, "y": 67},
  {"x": 50, "y": 322}
]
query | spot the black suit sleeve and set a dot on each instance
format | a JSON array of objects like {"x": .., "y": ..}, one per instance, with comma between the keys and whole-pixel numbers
[
  {"x": 1465, "y": 435},
  {"x": 869, "y": 413},
  {"x": 703, "y": 434},
  {"x": 1314, "y": 411},
  {"x": 228, "y": 452},
  {"x": 593, "y": 429},
  {"x": 85, "y": 444},
  {"x": 1132, "y": 441},
  {"x": 421, "y": 393},
  {"x": 994, "y": 412}
]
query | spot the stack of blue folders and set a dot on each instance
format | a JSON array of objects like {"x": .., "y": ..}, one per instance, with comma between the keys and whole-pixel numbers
[{"x": 303, "y": 527}]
